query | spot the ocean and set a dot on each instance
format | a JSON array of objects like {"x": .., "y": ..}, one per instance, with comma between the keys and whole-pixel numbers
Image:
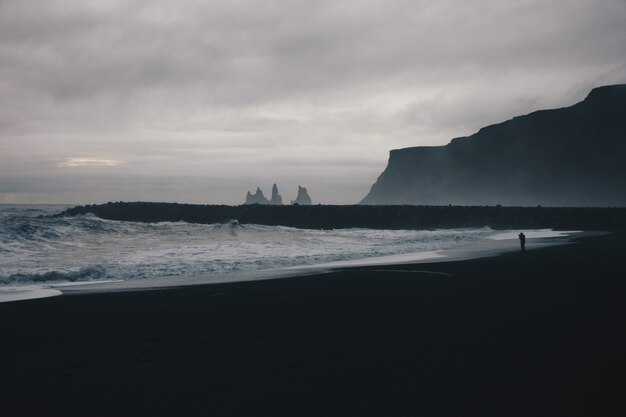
[{"x": 38, "y": 249}]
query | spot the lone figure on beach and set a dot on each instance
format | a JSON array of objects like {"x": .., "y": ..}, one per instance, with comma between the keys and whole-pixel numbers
[{"x": 522, "y": 241}]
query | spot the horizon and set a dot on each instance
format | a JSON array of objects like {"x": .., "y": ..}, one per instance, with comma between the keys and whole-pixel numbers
[{"x": 200, "y": 103}]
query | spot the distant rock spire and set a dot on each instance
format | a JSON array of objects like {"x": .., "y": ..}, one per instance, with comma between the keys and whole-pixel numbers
[
  {"x": 256, "y": 198},
  {"x": 276, "y": 199},
  {"x": 259, "y": 198},
  {"x": 303, "y": 198}
]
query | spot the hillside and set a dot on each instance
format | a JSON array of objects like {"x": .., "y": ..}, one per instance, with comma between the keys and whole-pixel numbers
[{"x": 573, "y": 156}]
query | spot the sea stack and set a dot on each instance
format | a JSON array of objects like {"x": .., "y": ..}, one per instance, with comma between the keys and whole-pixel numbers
[
  {"x": 259, "y": 198},
  {"x": 303, "y": 198},
  {"x": 276, "y": 199},
  {"x": 256, "y": 198}
]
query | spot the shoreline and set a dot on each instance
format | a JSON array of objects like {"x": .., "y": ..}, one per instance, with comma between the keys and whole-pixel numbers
[
  {"x": 494, "y": 246},
  {"x": 534, "y": 333}
]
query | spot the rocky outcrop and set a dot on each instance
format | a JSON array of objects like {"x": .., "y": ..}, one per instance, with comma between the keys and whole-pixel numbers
[
  {"x": 303, "y": 198},
  {"x": 574, "y": 156},
  {"x": 363, "y": 216},
  {"x": 259, "y": 198},
  {"x": 276, "y": 199},
  {"x": 256, "y": 198}
]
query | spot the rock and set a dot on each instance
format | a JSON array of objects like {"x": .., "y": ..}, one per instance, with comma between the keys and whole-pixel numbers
[
  {"x": 303, "y": 198},
  {"x": 276, "y": 199},
  {"x": 573, "y": 156},
  {"x": 259, "y": 198},
  {"x": 256, "y": 198}
]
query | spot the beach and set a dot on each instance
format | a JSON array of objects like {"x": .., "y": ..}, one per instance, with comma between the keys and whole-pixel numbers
[{"x": 537, "y": 333}]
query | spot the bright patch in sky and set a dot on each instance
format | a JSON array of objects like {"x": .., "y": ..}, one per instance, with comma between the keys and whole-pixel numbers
[{"x": 88, "y": 162}]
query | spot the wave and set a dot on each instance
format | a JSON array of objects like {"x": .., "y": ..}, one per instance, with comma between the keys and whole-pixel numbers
[
  {"x": 44, "y": 229},
  {"x": 18, "y": 227},
  {"x": 36, "y": 247},
  {"x": 24, "y": 228},
  {"x": 87, "y": 273}
]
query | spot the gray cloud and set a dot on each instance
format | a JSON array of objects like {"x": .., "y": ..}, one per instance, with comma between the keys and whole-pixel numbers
[{"x": 310, "y": 91}]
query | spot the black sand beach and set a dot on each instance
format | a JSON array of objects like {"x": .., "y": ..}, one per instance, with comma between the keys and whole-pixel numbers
[{"x": 541, "y": 333}]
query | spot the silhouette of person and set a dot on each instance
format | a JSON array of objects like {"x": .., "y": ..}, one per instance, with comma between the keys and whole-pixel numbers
[{"x": 522, "y": 241}]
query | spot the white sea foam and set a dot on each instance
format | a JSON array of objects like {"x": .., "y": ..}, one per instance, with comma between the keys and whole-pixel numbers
[
  {"x": 25, "y": 292},
  {"x": 532, "y": 234},
  {"x": 48, "y": 250}
]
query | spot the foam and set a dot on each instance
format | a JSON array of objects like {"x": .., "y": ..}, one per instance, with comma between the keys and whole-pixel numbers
[
  {"x": 86, "y": 273},
  {"x": 47, "y": 250},
  {"x": 26, "y": 292},
  {"x": 478, "y": 249},
  {"x": 534, "y": 234}
]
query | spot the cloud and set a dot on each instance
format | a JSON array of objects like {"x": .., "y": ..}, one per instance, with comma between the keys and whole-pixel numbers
[
  {"x": 220, "y": 89},
  {"x": 88, "y": 162}
]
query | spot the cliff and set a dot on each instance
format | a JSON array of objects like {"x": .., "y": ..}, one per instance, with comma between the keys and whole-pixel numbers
[{"x": 573, "y": 156}]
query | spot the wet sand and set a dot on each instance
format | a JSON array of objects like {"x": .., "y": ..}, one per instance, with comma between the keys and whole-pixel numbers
[{"x": 539, "y": 333}]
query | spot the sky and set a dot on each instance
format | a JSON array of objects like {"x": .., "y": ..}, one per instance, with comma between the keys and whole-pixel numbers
[{"x": 201, "y": 101}]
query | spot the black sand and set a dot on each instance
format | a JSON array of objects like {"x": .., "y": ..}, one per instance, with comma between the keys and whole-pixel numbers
[{"x": 541, "y": 333}]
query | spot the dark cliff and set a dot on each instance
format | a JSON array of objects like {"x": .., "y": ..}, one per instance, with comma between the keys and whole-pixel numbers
[{"x": 573, "y": 156}]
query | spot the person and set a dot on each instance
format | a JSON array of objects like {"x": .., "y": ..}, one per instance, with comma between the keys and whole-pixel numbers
[{"x": 522, "y": 241}]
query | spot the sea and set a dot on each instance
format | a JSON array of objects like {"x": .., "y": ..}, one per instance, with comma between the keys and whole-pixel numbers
[{"x": 40, "y": 249}]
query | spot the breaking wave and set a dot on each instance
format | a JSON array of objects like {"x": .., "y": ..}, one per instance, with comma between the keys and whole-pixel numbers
[
  {"x": 88, "y": 273},
  {"x": 38, "y": 248}
]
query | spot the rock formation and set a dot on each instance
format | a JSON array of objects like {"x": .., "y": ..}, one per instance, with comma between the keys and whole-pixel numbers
[
  {"x": 303, "y": 198},
  {"x": 373, "y": 217},
  {"x": 573, "y": 156},
  {"x": 256, "y": 198},
  {"x": 276, "y": 199},
  {"x": 259, "y": 198}
]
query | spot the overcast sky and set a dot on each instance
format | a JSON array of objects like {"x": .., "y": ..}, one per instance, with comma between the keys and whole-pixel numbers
[{"x": 199, "y": 101}]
